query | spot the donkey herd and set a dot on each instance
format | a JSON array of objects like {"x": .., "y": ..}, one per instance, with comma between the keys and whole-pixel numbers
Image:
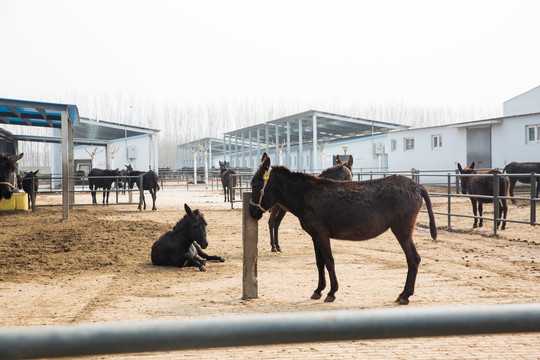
[{"x": 330, "y": 205}]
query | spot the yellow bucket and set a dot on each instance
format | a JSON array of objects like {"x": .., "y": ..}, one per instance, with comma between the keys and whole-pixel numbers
[{"x": 19, "y": 201}]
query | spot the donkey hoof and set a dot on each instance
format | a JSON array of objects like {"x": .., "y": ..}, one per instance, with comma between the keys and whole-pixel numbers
[
  {"x": 202, "y": 268},
  {"x": 221, "y": 259},
  {"x": 278, "y": 249},
  {"x": 274, "y": 249},
  {"x": 316, "y": 296},
  {"x": 329, "y": 298},
  {"x": 402, "y": 301}
]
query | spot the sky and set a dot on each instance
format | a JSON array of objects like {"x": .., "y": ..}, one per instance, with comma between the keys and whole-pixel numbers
[{"x": 424, "y": 53}]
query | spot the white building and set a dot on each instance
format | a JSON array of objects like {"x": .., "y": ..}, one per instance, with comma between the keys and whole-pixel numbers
[{"x": 491, "y": 143}]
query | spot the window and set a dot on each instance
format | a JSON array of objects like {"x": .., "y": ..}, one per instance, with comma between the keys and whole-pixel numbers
[
  {"x": 533, "y": 134},
  {"x": 409, "y": 143},
  {"x": 436, "y": 141},
  {"x": 393, "y": 144}
]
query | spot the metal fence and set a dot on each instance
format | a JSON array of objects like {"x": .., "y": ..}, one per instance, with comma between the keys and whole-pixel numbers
[{"x": 252, "y": 330}]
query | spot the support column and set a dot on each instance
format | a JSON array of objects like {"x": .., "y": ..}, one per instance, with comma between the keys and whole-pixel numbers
[
  {"x": 314, "y": 150},
  {"x": 258, "y": 145},
  {"x": 277, "y": 146},
  {"x": 300, "y": 160},
  {"x": 288, "y": 161},
  {"x": 67, "y": 164}
]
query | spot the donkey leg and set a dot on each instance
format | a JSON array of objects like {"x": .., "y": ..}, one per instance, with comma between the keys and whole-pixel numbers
[
  {"x": 512, "y": 185},
  {"x": 279, "y": 217},
  {"x": 205, "y": 256},
  {"x": 475, "y": 212},
  {"x": 271, "y": 224},
  {"x": 481, "y": 213},
  {"x": 413, "y": 261},
  {"x": 324, "y": 253},
  {"x": 153, "y": 193},
  {"x": 504, "y": 211},
  {"x": 320, "y": 267}
]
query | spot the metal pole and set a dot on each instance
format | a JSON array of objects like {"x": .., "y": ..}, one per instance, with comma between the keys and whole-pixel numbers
[
  {"x": 449, "y": 202},
  {"x": 141, "y": 191},
  {"x": 533, "y": 196},
  {"x": 252, "y": 330},
  {"x": 495, "y": 202}
]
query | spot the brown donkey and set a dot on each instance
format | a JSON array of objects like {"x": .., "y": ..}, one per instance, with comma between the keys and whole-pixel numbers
[
  {"x": 483, "y": 185},
  {"x": 347, "y": 210}
]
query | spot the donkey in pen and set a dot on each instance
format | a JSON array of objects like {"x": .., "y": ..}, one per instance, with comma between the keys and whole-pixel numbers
[
  {"x": 342, "y": 171},
  {"x": 150, "y": 182},
  {"x": 522, "y": 168},
  {"x": 182, "y": 246},
  {"x": 226, "y": 180},
  {"x": 102, "y": 179},
  {"x": 347, "y": 210},
  {"x": 30, "y": 185},
  {"x": 8, "y": 174},
  {"x": 483, "y": 185}
]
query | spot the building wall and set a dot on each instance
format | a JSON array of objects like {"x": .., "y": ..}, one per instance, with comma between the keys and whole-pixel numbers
[
  {"x": 509, "y": 141},
  {"x": 424, "y": 156},
  {"x": 526, "y": 103}
]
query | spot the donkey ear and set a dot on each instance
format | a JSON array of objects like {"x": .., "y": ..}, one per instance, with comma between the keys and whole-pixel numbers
[
  {"x": 264, "y": 156},
  {"x": 472, "y": 165},
  {"x": 16, "y": 158},
  {"x": 459, "y": 167},
  {"x": 266, "y": 164},
  {"x": 188, "y": 211},
  {"x": 338, "y": 160},
  {"x": 350, "y": 162},
  {"x": 37, "y": 171}
]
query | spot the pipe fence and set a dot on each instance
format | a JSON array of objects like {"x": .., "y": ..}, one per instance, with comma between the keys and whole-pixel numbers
[{"x": 267, "y": 329}]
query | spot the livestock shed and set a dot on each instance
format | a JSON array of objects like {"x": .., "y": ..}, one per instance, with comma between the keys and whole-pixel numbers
[
  {"x": 8, "y": 143},
  {"x": 304, "y": 141},
  {"x": 16, "y": 113}
]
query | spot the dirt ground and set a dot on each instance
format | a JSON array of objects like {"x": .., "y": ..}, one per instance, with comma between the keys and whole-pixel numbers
[{"x": 95, "y": 267}]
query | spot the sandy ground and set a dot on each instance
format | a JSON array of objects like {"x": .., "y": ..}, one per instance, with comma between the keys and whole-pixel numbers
[{"x": 95, "y": 267}]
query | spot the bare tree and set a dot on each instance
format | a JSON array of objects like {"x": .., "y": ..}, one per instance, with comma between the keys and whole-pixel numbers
[
  {"x": 321, "y": 148},
  {"x": 280, "y": 150},
  {"x": 194, "y": 150},
  {"x": 93, "y": 153},
  {"x": 204, "y": 149}
]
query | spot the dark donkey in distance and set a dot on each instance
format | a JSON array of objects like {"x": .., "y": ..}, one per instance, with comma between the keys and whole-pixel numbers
[
  {"x": 102, "y": 179},
  {"x": 346, "y": 210},
  {"x": 8, "y": 174},
  {"x": 182, "y": 246},
  {"x": 150, "y": 182},
  {"x": 340, "y": 172},
  {"x": 483, "y": 185},
  {"x": 226, "y": 180},
  {"x": 30, "y": 185},
  {"x": 522, "y": 168}
]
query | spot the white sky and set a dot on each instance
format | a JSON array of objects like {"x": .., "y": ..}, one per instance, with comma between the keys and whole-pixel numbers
[{"x": 422, "y": 53}]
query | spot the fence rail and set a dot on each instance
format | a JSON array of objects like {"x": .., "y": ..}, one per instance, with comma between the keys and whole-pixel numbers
[{"x": 252, "y": 330}]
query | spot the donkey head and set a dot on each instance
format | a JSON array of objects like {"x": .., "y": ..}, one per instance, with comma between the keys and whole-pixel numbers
[
  {"x": 260, "y": 201},
  {"x": 8, "y": 176},
  {"x": 197, "y": 227},
  {"x": 465, "y": 180}
]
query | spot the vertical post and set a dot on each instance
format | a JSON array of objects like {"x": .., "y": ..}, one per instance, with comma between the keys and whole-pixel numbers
[
  {"x": 288, "y": 162},
  {"x": 533, "y": 196},
  {"x": 314, "y": 148},
  {"x": 300, "y": 161},
  {"x": 449, "y": 201},
  {"x": 141, "y": 192},
  {"x": 65, "y": 164},
  {"x": 250, "y": 229},
  {"x": 495, "y": 202},
  {"x": 231, "y": 190}
]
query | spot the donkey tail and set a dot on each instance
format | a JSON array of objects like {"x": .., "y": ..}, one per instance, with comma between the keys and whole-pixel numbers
[{"x": 432, "y": 226}]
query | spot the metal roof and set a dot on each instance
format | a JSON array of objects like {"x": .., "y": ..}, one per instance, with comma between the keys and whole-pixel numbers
[
  {"x": 48, "y": 115},
  {"x": 329, "y": 127}
]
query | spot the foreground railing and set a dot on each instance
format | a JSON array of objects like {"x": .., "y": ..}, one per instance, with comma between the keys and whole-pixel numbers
[{"x": 250, "y": 330}]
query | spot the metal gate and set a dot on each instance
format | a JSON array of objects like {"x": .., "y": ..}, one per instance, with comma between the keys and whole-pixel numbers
[{"x": 479, "y": 147}]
